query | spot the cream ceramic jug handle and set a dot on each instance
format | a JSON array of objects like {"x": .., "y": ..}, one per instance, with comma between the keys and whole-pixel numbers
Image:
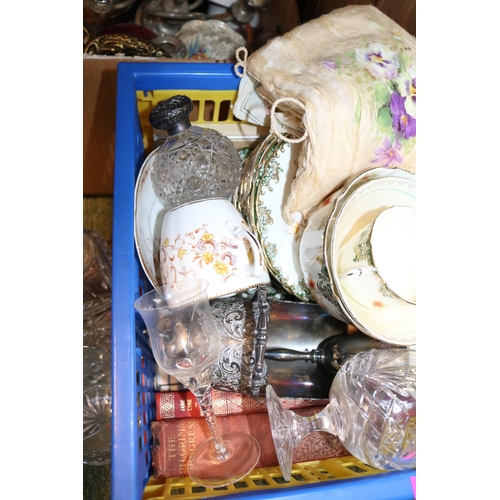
[{"x": 243, "y": 234}]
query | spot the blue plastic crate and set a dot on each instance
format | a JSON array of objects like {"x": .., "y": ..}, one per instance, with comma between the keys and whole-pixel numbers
[{"x": 132, "y": 360}]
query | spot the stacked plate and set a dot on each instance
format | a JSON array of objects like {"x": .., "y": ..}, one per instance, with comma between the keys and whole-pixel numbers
[
  {"x": 266, "y": 182},
  {"x": 324, "y": 242}
]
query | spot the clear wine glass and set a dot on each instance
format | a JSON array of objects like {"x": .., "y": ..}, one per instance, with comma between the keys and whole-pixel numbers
[
  {"x": 372, "y": 410},
  {"x": 186, "y": 344}
]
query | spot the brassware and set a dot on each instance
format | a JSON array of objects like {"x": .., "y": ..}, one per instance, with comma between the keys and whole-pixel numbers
[{"x": 186, "y": 343}]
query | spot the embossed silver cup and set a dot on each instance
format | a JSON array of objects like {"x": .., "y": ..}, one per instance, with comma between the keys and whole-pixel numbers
[{"x": 242, "y": 366}]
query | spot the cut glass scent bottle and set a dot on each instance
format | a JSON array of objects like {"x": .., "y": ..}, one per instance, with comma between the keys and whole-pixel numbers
[{"x": 193, "y": 163}]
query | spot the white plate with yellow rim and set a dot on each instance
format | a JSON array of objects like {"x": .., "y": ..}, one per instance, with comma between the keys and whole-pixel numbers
[
  {"x": 390, "y": 320},
  {"x": 314, "y": 250}
]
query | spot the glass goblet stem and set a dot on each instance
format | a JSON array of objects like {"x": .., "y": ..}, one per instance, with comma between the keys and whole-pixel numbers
[
  {"x": 204, "y": 397},
  {"x": 289, "y": 428},
  {"x": 202, "y": 390},
  {"x": 321, "y": 421}
]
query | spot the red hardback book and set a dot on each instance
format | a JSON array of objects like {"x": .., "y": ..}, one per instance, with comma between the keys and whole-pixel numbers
[
  {"x": 175, "y": 438},
  {"x": 183, "y": 404}
]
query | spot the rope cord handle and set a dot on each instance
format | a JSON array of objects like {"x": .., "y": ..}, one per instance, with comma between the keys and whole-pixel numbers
[
  {"x": 242, "y": 63},
  {"x": 273, "y": 122}
]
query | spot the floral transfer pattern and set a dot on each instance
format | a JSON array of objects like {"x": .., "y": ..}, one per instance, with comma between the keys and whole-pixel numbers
[
  {"x": 201, "y": 248},
  {"x": 363, "y": 253},
  {"x": 269, "y": 188},
  {"x": 363, "y": 249}
]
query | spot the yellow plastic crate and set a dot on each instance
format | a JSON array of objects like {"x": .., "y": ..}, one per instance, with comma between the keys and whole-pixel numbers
[
  {"x": 211, "y": 109},
  {"x": 266, "y": 478}
]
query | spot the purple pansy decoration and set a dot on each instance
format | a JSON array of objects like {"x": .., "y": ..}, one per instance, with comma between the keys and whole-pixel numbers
[
  {"x": 388, "y": 154},
  {"x": 332, "y": 65},
  {"x": 379, "y": 60},
  {"x": 377, "y": 57},
  {"x": 402, "y": 122},
  {"x": 411, "y": 89}
]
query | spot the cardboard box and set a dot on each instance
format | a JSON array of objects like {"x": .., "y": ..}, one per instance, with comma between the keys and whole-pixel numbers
[{"x": 99, "y": 101}]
